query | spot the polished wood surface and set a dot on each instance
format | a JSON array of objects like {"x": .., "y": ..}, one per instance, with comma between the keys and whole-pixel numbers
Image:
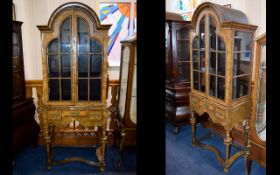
[
  {"x": 256, "y": 144},
  {"x": 25, "y": 128},
  {"x": 73, "y": 116},
  {"x": 177, "y": 86},
  {"x": 218, "y": 30}
]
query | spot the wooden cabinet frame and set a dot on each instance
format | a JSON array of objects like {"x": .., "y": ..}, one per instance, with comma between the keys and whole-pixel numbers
[
  {"x": 57, "y": 116},
  {"x": 256, "y": 145},
  {"x": 224, "y": 110}
]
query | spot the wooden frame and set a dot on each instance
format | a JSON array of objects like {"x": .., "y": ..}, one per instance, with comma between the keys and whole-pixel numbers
[
  {"x": 227, "y": 111},
  {"x": 58, "y": 116},
  {"x": 128, "y": 127},
  {"x": 176, "y": 89},
  {"x": 256, "y": 145}
]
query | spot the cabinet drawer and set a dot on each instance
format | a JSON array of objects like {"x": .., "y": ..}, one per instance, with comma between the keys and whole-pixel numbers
[
  {"x": 208, "y": 106},
  {"x": 74, "y": 113},
  {"x": 54, "y": 114},
  {"x": 95, "y": 115},
  {"x": 220, "y": 113}
]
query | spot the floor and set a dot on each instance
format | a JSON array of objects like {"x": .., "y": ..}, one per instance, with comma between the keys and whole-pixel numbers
[
  {"x": 32, "y": 161},
  {"x": 184, "y": 159}
]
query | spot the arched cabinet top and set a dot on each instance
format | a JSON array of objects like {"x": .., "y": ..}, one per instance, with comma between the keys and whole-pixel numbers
[
  {"x": 228, "y": 17},
  {"x": 73, "y": 6}
]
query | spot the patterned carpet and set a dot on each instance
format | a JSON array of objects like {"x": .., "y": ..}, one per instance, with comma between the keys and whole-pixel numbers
[{"x": 183, "y": 159}]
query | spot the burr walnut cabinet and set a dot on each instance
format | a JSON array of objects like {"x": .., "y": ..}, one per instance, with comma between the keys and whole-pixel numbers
[
  {"x": 257, "y": 133},
  {"x": 177, "y": 84},
  {"x": 74, "y": 58},
  {"x": 127, "y": 96},
  {"x": 221, "y": 55}
]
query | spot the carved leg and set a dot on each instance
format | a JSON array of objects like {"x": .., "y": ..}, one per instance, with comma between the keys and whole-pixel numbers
[
  {"x": 247, "y": 148},
  {"x": 99, "y": 133},
  {"x": 193, "y": 123},
  {"x": 121, "y": 146},
  {"x": 227, "y": 142},
  {"x": 47, "y": 139},
  {"x": 52, "y": 132},
  {"x": 103, "y": 145}
]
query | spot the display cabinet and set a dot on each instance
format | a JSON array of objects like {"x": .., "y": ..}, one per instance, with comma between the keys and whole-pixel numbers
[
  {"x": 25, "y": 127},
  {"x": 127, "y": 96},
  {"x": 74, "y": 58},
  {"x": 221, "y": 54},
  {"x": 177, "y": 83},
  {"x": 257, "y": 134}
]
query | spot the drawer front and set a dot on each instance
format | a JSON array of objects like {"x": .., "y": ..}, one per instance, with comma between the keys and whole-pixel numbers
[
  {"x": 95, "y": 115},
  {"x": 54, "y": 114},
  {"x": 220, "y": 113},
  {"x": 208, "y": 106},
  {"x": 74, "y": 113}
]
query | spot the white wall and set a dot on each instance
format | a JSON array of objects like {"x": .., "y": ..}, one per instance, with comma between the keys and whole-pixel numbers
[
  {"x": 33, "y": 13},
  {"x": 254, "y": 9}
]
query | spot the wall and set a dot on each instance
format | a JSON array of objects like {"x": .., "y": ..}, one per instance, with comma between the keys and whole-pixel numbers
[
  {"x": 254, "y": 9},
  {"x": 33, "y": 13}
]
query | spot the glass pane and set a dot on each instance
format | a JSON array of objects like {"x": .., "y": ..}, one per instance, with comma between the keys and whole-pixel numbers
[
  {"x": 53, "y": 65},
  {"x": 15, "y": 38},
  {"x": 241, "y": 63},
  {"x": 212, "y": 85},
  {"x": 212, "y": 30},
  {"x": 95, "y": 65},
  {"x": 83, "y": 89},
  {"x": 202, "y": 82},
  {"x": 65, "y": 36},
  {"x": 182, "y": 33},
  {"x": 124, "y": 65},
  {"x": 242, "y": 41},
  {"x": 167, "y": 40},
  {"x": 83, "y": 36},
  {"x": 196, "y": 43},
  {"x": 212, "y": 67},
  {"x": 183, "y": 51},
  {"x": 54, "y": 90},
  {"x": 184, "y": 71},
  {"x": 202, "y": 61},
  {"x": 195, "y": 80},
  {"x": 53, "y": 46},
  {"x": 65, "y": 66},
  {"x": 15, "y": 50},
  {"x": 17, "y": 84},
  {"x": 221, "y": 88},
  {"x": 83, "y": 65},
  {"x": 122, "y": 98},
  {"x": 221, "y": 44},
  {"x": 261, "y": 106},
  {"x": 95, "y": 46},
  {"x": 66, "y": 89},
  {"x": 240, "y": 86},
  {"x": 95, "y": 89},
  {"x": 195, "y": 60},
  {"x": 221, "y": 63},
  {"x": 202, "y": 32}
]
